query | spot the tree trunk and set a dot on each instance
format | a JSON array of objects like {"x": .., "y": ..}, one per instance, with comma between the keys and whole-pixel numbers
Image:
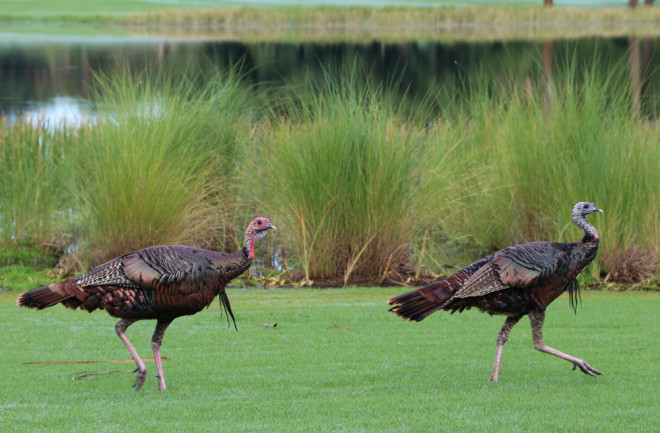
[
  {"x": 547, "y": 67},
  {"x": 547, "y": 2},
  {"x": 648, "y": 2},
  {"x": 633, "y": 3},
  {"x": 635, "y": 79},
  {"x": 646, "y": 66}
]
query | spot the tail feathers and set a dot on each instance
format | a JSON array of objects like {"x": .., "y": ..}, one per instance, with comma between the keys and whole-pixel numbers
[
  {"x": 47, "y": 296},
  {"x": 40, "y": 298},
  {"x": 413, "y": 305},
  {"x": 420, "y": 303}
]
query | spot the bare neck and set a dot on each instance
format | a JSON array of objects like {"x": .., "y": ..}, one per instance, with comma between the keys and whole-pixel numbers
[
  {"x": 585, "y": 250},
  {"x": 251, "y": 239},
  {"x": 590, "y": 233},
  {"x": 248, "y": 249}
]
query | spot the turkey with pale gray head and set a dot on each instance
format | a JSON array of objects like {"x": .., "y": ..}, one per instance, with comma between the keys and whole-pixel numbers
[
  {"x": 160, "y": 283},
  {"x": 516, "y": 281}
]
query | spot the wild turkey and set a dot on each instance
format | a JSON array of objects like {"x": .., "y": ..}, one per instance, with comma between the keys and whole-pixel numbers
[
  {"x": 518, "y": 280},
  {"x": 162, "y": 283}
]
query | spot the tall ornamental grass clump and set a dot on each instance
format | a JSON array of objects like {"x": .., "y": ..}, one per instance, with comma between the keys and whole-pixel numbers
[
  {"x": 157, "y": 166},
  {"x": 543, "y": 153},
  {"x": 33, "y": 181},
  {"x": 351, "y": 181}
]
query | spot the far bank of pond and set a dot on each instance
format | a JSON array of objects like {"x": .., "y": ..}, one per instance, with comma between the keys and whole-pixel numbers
[{"x": 53, "y": 76}]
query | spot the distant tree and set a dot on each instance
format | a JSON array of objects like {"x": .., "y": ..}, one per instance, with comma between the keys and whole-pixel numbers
[
  {"x": 633, "y": 3},
  {"x": 547, "y": 2}
]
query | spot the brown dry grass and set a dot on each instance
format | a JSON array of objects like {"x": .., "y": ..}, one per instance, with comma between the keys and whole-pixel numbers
[
  {"x": 397, "y": 24},
  {"x": 629, "y": 266},
  {"x": 357, "y": 24}
]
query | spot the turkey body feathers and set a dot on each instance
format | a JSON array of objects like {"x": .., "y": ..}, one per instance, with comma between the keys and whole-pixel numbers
[
  {"x": 516, "y": 281},
  {"x": 161, "y": 283},
  {"x": 166, "y": 281}
]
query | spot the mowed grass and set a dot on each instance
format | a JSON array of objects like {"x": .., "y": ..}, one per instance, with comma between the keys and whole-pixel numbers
[{"x": 337, "y": 361}]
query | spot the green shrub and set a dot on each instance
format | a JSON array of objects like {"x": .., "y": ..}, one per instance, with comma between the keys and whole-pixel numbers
[
  {"x": 540, "y": 158},
  {"x": 352, "y": 180},
  {"x": 362, "y": 181},
  {"x": 34, "y": 170},
  {"x": 157, "y": 167}
]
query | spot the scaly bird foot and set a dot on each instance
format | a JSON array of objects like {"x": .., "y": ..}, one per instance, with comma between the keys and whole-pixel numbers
[
  {"x": 141, "y": 377},
  {"x": 586, "y": 368},
  {"x": 161, "y": 383}
]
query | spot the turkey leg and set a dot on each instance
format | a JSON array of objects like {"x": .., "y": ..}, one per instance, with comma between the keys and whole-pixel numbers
[
  {"x": 502, "y": 337},
  {"x": 156, "y": 341},
  {"x": 536, "y": 318},
  {"x": 141, "y": 369}
]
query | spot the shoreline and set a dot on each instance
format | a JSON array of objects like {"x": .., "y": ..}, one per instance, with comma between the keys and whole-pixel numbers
[{"x": 353, "y": 24}]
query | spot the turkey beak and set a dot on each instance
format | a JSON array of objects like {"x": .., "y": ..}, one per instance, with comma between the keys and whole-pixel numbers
[
  {"x": 598, "y": 210},
  {"x": 275, "y": 228}
]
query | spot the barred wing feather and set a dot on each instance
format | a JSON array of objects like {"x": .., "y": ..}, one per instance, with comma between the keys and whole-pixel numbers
[{"x": 522, "y": 266}]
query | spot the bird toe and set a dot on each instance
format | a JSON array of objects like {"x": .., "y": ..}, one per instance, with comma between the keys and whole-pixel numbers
[{"x": 140, "y": 379}]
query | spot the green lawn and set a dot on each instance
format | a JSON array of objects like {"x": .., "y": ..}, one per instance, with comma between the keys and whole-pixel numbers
[
  {"x": 337, "y": 361},
  {"x": 80, "y": 7},
  {"x": 77, "y": 7}
]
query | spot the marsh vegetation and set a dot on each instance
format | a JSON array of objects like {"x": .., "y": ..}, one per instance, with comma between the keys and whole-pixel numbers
[
  {"x": 364, "y": 182},
  {"x": 471, "y": 20}
]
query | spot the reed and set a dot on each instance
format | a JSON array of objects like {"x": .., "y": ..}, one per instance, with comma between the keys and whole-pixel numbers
[
  {"x": 351, "y": 178},
  {"x": 545, "y": 148},
  {"x": 34, "y": 157},
  {"x": 156, "y": 167},
  {"x": 477, "y": 20},
  {"x": 363, "y": 182}
]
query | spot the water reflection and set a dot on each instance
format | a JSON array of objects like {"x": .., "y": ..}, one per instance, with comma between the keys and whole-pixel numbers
[
  {"x": 54, "y": 112},
  {"x": 54, "y": 79}
]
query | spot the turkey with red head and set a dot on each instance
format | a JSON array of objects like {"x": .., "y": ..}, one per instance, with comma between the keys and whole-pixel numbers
[{"x": 161, "y": 283}]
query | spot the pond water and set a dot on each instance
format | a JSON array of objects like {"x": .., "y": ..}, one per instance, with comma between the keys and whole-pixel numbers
[{"x": 52, "y": 78}]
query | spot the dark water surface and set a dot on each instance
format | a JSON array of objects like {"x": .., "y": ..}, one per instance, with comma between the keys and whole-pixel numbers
[{"x": 53, "y": 78}]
